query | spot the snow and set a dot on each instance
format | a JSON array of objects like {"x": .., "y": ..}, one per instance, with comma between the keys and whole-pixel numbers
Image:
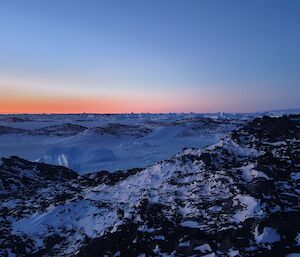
[
  {"x": 214, "y": 146},
  {"x": 144, "y": 228},
  {"x": 250, "y": 206},
  {"x": 297, "y": 239},
  {"x": 249, "y": 173},
  {"x": 209, "y": 255},
  {"x": 86, "y": 217},
  {"x": 190, "y": 224},
  {"x": 269, "y": 235},
  {"x": 203, "y": 248},
  {"x": 184, "y": 243},
  {"x": 183, "y": 184},
  {"x": 159, "y": 237},
  {"x": 279, "y": 143},
  {"x": 295, "y": 175},
  {"x": 80, "y": 214},
  {"x": 233, "y": 253},
  {"x": 117, "y": 254}
]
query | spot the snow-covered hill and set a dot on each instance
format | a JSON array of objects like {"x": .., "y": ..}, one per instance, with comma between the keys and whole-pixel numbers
[{"x": 238, "y": 197}]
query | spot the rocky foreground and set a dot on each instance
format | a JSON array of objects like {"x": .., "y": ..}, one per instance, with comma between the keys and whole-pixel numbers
[{"x": 239, "y": 197}]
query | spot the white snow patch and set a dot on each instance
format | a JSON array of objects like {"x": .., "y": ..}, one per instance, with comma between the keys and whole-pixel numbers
[
  {"x": 190, "y": 224},
  {"x": 184, "y": 243},
  {"x": 159, "y": 237},
  {"x": 233, "y": 253},
  {"x": 275, "y": 143},
  {"x": 81, "y": 215},
  {"x": 269, "y": 235},
  {"x": 214, "y": 146},
  {"x": 250, "y": 207},
  {"x": 295, "y": 175},
  {"x": 203, "y": 248},
  {"x": 249, "y": 173},
  {"x": 209, "y": 255}
]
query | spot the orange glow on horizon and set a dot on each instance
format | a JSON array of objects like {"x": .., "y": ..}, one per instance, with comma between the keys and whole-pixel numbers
[
  {"x": 88, "y": 105},
  {"x": 61, "y": 106},
  {"x": 44, "y": 100}
]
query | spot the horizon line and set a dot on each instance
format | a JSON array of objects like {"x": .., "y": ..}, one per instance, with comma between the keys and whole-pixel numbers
[{"x": 136, "y": 113}]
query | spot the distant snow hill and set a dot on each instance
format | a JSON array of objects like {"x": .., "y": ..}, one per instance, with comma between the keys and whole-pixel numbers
[
  {"x": 281, "y": 112},
  {"x": 238, "y": 197}
]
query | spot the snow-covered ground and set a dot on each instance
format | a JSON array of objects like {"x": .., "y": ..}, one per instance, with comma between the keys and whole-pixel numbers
[
  {"x": 237, "y": 197},
  {"x": 89, "y": 142}
]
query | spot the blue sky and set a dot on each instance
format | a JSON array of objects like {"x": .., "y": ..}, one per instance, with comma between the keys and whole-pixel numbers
[{"x": 150, "y": 55}]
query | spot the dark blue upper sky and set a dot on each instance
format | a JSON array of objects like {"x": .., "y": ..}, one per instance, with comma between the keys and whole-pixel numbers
[{"x": 151, "y": 55}]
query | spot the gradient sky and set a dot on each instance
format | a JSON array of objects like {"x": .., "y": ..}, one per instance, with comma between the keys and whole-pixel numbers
[{"x": 149, "y": 55}]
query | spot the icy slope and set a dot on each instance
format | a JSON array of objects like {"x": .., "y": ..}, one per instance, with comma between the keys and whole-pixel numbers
[{"x": 239, "y": 197}]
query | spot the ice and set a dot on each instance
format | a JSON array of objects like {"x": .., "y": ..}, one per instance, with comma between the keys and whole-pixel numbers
[
  {"x": 62, "y": 160},
  {"x": 78, "y": 157},
  {"x": 84, "y": 150}
]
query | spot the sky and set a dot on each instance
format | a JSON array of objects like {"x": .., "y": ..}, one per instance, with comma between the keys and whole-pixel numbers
[{"x": 109, "y": 56}]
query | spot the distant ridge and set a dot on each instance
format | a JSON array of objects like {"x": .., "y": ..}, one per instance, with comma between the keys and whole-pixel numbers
[{"x": 282, "y": 111}]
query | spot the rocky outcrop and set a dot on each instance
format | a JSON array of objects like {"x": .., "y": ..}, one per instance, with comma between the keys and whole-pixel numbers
[
  {"x": 10, "y": 130},
  {"x": 118, "y": 130},
  {"x": 66, "y": 129}
]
